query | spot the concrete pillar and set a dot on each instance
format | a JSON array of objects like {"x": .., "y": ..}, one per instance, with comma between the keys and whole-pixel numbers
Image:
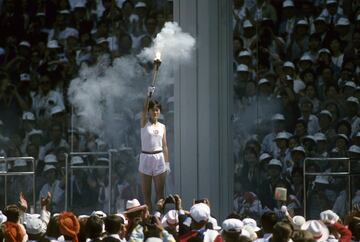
[{"x": 203, "y": 99}]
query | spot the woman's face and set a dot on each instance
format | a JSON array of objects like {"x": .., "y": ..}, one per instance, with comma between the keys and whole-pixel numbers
[
  {"x": 335, "y": 45},
  {"x": 154, "y": 113},
  {"x": 300, "y": 130},
  {"x": 310, "y": 92}
]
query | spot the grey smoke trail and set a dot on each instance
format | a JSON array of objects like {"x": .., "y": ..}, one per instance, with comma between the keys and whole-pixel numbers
[{"x": 108, "y": 95}]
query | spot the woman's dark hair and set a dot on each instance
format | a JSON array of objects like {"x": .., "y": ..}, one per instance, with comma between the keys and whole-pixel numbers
[
  {"x": 53, "y": 227},
  {"x": 82, "y": 236},
  {"x": 154, "y": 104},
  {"x": 94, "y": 226},
  {"x": 12, "y": 213},
  {"x": 347, "y": 124},
  {"x": 113, "y": 224}
]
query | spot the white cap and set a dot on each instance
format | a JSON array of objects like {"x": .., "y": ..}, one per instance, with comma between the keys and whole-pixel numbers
[
  {"x": 310, "y": 137},
  {"x": 252, "y": 223},
  {"x": 350, "y": 84},
  {"x": 299, "y": 149},
  {"x": 25, "y": 43},
  {"x": 40, "y": 14},
  {"x": 288, "y": 3},
  {"x": 53, "y": 44},
  {"x": 25, "y": 77},
  {"x": 322, "y": 179},
  {"x": 140, "y": 5},
  {"x": 243, "y": 68},
  {"x": 320, "y": 137},
  {"x": 320, "y": 19},
  {"x": 35, "y": 132},
  {"x": 100, "y": 214},
  {"x": 79, "y": 4},
  {"x": 324, "y": 50},
  {"x": 353, "y": 100},
  {"x": 329, "y": 216},
  {"x": 357, "y": 135},
  {"x": 214, "y": 223},
  {"x": 331, "y": 1},
  {"x": 263, "y": 81},
  {"x": 102, "y": 159},
  {"x": 170, "y": 218},
  {"x": 50, "y": 158},
  {"x": 2, "y": 51},
  {"x": 358, "y": 17},
  {"x": 298, "y": 221},
  {"x": 326, "y": 113},
  {"x": 306, "y": 57},
  {"x": 20, "y": 163},
  {"x": 244, "y": 53},
  {"x": 49, "y": 167},
  {"x": 200, "y": 212},
  {"x": 289, "y": 64},
  {"x": 264, "y": 156},
  {"x": 282, "y": 135},
  {"x": 247, "y": 24},
  {"x": 232, "y": 225},
  {"x": 354, "y": 149},
  {"x": 28, "y": 116},
  {"x": 275, "y": 162},
  {"x": 77, "y": 160},
  {"x": 71, "y": 32},
  {"x": 153, "y": 239},
  {"x": 278, "y": 116},
  {"x": 342, "y": 136},
  {"x": 65, "y": 11},
  {"x": 343, "y": 22},
  {"x": 302, "y": 22},
  {"x": 56, "y": 109},
  {"x": 34, "y": 225},
  {"x": 101, "y": 40}
]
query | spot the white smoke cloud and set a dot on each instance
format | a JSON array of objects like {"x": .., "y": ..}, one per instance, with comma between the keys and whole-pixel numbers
[{"x": 107, "y": 96}]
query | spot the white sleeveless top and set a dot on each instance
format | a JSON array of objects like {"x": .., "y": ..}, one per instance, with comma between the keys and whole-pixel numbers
[{"x": 151, "y": 137}]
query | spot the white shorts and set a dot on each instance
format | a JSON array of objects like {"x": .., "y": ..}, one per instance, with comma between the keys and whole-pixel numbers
[{"x": 152, "y": 164}]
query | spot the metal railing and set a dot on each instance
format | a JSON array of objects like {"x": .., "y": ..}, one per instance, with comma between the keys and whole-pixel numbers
[
  {"x": 343, "y": 174},
  {"x": 6, "y": 173},
  {"x": 69, "y": 170}
]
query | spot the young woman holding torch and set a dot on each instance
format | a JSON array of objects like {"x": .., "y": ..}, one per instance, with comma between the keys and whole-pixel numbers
[{"x": 154, "y": 158}]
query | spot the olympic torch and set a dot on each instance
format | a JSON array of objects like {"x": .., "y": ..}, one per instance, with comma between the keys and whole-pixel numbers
[{"x": 157, "y": 63}]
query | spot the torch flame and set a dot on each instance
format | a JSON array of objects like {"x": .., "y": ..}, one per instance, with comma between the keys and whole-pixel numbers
[{"x": 158, "y": 56}]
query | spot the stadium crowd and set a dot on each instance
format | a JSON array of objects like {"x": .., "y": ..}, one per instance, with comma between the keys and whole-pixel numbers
[
  {"x": 43, "y": 46},
  {"x": 296, "y": 96},
  {"x": 296, "y": 88}
]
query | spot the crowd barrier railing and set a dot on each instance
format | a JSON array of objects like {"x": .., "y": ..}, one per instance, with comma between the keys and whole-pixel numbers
[
  {"x": 6, "y": 173},
  {"x": 346, "y": 173}
]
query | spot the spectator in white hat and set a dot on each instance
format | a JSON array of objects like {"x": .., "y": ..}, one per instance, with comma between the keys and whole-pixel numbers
[
  {"x": 232, "y": 229},
  {"x": 46, "y": 98},
  {"x": 299, "y": 41},
  {"x": 275, "y": 179},
  {"x": 288, "y": 23},
  {"x": 337, "y": 52},
  {"x": 249, "y": 34},
  {"x": 325, "y": 124},
  {"x": 306, "y": 107},
  {"x": 311, "y": 92},
  {"x": 332, "y": 12},
  {"x": 55, "y": 187},
  {"x": 278, "y": 125},
  {"x": 263, "y": 10},
  {"x": 314, "y": 46},
  {"x": 200, "y": 215},
  {"x": 352, "y": 109}
]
